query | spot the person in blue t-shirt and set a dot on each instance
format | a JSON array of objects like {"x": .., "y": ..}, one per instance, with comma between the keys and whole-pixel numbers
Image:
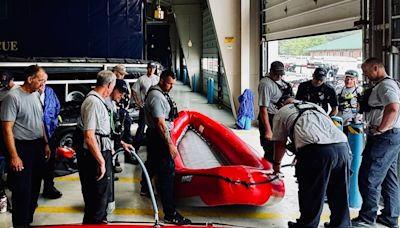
[{"x": 51, "y": 109}]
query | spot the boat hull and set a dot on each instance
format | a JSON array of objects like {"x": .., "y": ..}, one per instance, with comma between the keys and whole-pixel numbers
[{"x": 245, "y": 178}]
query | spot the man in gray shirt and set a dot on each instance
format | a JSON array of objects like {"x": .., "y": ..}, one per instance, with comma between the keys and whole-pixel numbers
[
  {"x": 322, "y": 166},
  {"x": 378, "y": 170},
  {"x": 160, "y": 112},
  {"x": 139, "y": 91},
  {"x": 270, "y": 90},
  {"x": 94, "y": 156},
  {"x": 27, "y": 145}
]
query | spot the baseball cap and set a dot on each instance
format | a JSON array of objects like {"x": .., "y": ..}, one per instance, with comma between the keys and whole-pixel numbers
[
  {"x": 120, "y": 68},
  {"x": 351, "y": 73},
  {"x": 319, "y": 73},
  {"x": 120, "y": 84},
  {"x": 278, "y": 67},
  {"x": 151, "y": 65}
]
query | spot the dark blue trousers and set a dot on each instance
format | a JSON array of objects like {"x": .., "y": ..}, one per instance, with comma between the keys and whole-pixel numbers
[
  {"x": 320, "y": 169},
  {"x": 25, "y": 185},
  {"x": 378, "y": 176}
]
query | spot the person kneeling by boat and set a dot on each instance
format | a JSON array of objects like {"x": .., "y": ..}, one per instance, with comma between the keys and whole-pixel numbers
[
  {"x": 160, "y": 112},
  {"x": 323, "y": 157}
]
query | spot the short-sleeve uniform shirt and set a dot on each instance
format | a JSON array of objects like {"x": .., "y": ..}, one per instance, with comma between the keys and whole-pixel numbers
[{"x": 312, "y": 127}]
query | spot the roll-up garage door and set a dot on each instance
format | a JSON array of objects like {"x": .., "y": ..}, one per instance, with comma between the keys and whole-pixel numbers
[
  {"x": 210, "y": 63},
  {"x": 284, "y": 19}
]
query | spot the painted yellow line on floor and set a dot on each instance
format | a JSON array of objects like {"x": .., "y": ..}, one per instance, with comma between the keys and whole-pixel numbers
[
  {"x": 43, "y": 209},
  {"x": 76, "y": 178},
  {"x": 212, "y": 213}
]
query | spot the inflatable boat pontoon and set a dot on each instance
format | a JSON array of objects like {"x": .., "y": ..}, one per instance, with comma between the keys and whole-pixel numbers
[{"x": 215, "y": 167}]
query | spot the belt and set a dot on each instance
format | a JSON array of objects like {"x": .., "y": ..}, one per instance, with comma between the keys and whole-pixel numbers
[{"x": 393, "y": 130}]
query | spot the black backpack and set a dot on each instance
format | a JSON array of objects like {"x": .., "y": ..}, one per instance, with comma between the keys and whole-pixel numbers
[{"x": 363, "y": 100}]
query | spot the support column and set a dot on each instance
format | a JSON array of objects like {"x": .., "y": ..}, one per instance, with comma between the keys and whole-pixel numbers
[{"x": 245, "y": 45}]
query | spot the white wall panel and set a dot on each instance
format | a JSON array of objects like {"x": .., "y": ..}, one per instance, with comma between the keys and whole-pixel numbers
[{"x": 295, "y": 18}]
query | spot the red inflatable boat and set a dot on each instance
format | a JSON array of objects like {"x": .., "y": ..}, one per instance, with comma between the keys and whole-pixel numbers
[{"x": 215, "y": 167}]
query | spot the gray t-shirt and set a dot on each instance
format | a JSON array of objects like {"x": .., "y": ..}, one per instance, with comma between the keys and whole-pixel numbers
[
  {"x": 386, "y": 92},
  {"x": 350, "y": 94},
  {"x": 25, "y": 110},
  {"x": 156, "y": 106},
  {"x": 269, "y": 94},
  {"x": 313, "y": 127},
  {"x": 142, "y": 85},
  {"x": 95, "y": 116}
]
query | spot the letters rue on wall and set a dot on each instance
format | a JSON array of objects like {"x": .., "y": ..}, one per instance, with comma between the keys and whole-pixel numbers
[{"x": 8, "y": 46}]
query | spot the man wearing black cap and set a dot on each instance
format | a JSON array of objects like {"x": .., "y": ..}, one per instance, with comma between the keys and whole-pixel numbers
[
  {"x": 116, "y": 96},
  {"x": 347, "y": 96},
  {"x": 120, "y": 72},
  {"x": 270, "y": 90},
  {"x": 318, "y": 92},
  {"x": 7, "y": 84},
  {"x": 120, "y": 129}
]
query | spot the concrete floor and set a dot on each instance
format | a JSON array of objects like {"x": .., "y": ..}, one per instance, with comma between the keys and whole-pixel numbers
[{"x": 130, "y": 206}]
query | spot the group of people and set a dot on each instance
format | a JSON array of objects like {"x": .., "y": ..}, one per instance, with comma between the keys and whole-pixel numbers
[
  {"x": 29, "y": 115},
  {"x": 29, "y": 119},
  {"x": 95, "y": 154},
  {"x": 322, "y": 150}
]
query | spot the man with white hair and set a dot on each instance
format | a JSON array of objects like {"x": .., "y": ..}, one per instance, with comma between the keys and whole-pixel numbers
[{"x": 94, "y": 151}]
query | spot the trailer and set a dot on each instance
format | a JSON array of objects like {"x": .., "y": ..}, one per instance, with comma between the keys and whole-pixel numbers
[{"x": 72, "y": 40}]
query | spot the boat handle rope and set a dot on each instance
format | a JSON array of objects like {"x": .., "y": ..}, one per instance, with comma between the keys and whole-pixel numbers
[{"x": 227, "y": 179}]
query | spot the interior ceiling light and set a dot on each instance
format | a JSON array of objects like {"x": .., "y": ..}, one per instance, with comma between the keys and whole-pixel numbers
[
  {"x": 158, "y": 13},
  {"x": 190, "y": 44}
]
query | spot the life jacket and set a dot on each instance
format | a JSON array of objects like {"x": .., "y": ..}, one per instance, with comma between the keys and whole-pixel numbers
[
  {"x": 78, "y": 134},
  {"x": 286, "y": 91},
  {"x": 345, "y": 102},
  {"x": 173, "y": 113}
]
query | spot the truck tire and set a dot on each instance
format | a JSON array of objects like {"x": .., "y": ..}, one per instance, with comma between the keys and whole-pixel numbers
[
  {"x": 78, "y": 93},
  {"x": 64, "y": 136}
]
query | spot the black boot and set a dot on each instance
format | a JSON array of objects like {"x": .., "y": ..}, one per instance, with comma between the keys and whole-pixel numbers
[{"x": 51, "y": 193}]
